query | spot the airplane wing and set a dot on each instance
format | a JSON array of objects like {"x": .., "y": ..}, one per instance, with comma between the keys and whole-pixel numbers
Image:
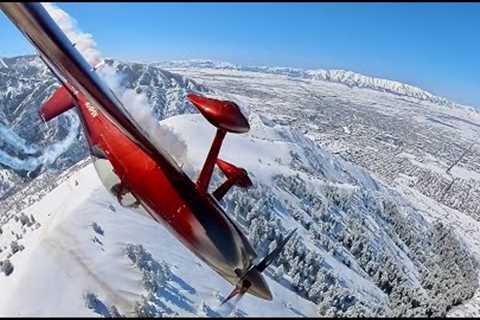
[{"x": 70, "y": 67}]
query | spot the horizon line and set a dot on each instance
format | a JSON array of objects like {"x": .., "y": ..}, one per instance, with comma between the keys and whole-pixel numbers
[{"x": 140, "y": 61}]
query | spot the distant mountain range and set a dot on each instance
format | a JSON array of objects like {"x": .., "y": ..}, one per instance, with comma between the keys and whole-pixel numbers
[{"x": 349, "y": 78}]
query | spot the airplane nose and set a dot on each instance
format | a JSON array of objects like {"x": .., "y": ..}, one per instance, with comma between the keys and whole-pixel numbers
[{"x": 258, "y": 285}]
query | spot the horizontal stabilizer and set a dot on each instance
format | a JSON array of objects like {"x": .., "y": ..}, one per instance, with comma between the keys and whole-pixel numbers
[
  {"x": 235, "y": 176},
  {"x": 60, "y": 101}
]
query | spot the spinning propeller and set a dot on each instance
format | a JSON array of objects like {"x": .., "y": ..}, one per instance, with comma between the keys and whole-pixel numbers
[{"x": 253, "y": 273}]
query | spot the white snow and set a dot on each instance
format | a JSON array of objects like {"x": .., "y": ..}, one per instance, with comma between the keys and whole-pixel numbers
[
  {"x": 466, "y": 226},
  {"x": 62, "y": 259},
  {"x": 68, "y": 259}
]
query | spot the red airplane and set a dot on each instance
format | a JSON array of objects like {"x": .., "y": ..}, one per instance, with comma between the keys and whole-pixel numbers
[{"x": 141, "y": 173}]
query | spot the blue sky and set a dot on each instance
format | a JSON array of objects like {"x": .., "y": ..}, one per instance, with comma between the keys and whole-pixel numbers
[{"x": 433, "y": 46}]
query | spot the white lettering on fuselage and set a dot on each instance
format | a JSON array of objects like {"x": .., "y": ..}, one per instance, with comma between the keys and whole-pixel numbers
[{"x": 91, "y": 109}]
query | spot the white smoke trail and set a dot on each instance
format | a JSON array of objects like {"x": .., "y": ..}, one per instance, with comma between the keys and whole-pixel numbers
[
  {"x": 136, "y": 104},
  {"x": 51, "y": 152},
  {"x": 84, "y": 42},
  {"x": 138, "y": 107},
  {"x": 10, "y": 137}
]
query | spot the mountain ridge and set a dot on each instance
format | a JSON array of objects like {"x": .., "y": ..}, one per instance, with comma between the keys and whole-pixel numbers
[{"x": 343, "y": 76}]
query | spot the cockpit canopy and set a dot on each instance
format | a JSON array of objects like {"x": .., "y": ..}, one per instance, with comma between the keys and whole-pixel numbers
[{"x": 111, "y": 180}]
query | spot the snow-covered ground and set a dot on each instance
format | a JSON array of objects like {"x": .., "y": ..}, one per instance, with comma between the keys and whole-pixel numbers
[
  {"x": 66, "y": 259},
  {"x": 464, "y": 225},
  {"x": 427, "y": 136},
  {"x": 76, "y": 262},
  {"x": 357, "y": 234},
  {"x": 76, "y": 252}
]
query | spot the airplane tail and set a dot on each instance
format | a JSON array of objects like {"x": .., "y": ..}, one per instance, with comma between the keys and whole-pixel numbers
[
  {"x": 59, "y": 102},
  {"x": 252, "y": 281}
]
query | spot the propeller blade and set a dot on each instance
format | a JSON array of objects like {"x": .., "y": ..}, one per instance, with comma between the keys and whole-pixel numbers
[
  {"x": 232, "y": 294},
  {"x": 244, "y": 284},
  {"x": 238, "y": 290},
  {"x": 272, "y": 255}
]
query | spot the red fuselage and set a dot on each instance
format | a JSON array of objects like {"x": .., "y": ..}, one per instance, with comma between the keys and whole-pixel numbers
[
  {"x": 172, "y": 199},
  {"x": 146, "y": 171}
]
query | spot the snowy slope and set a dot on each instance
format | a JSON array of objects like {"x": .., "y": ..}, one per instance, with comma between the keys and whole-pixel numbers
[
  {"x": 465, "y": 225},
  {"x": 279, "y": 159},
  {"x": 7, "y": 180},
  {"x": 3, "y": 64},
  {"x": 365, "y": 249},
  {"x": 29, "y": 147},
  {"x": 354, "y": 235},
  {"x": 70, "y": 264},
  {"x": 401, "y": 140},
  {"x": 71, "y": 260}
]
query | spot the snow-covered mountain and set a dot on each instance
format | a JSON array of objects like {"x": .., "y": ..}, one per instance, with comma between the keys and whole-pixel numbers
[
  {"x": 370, "y": 242},
  {"x": 29, "y": 146},
  {"x": 402, "y": 140},
  {"x": 361, "y": 250},
  {"x": 346, "y": 77}
]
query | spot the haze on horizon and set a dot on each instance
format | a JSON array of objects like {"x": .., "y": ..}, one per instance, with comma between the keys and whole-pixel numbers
[{"x": 431, "y": 46}]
